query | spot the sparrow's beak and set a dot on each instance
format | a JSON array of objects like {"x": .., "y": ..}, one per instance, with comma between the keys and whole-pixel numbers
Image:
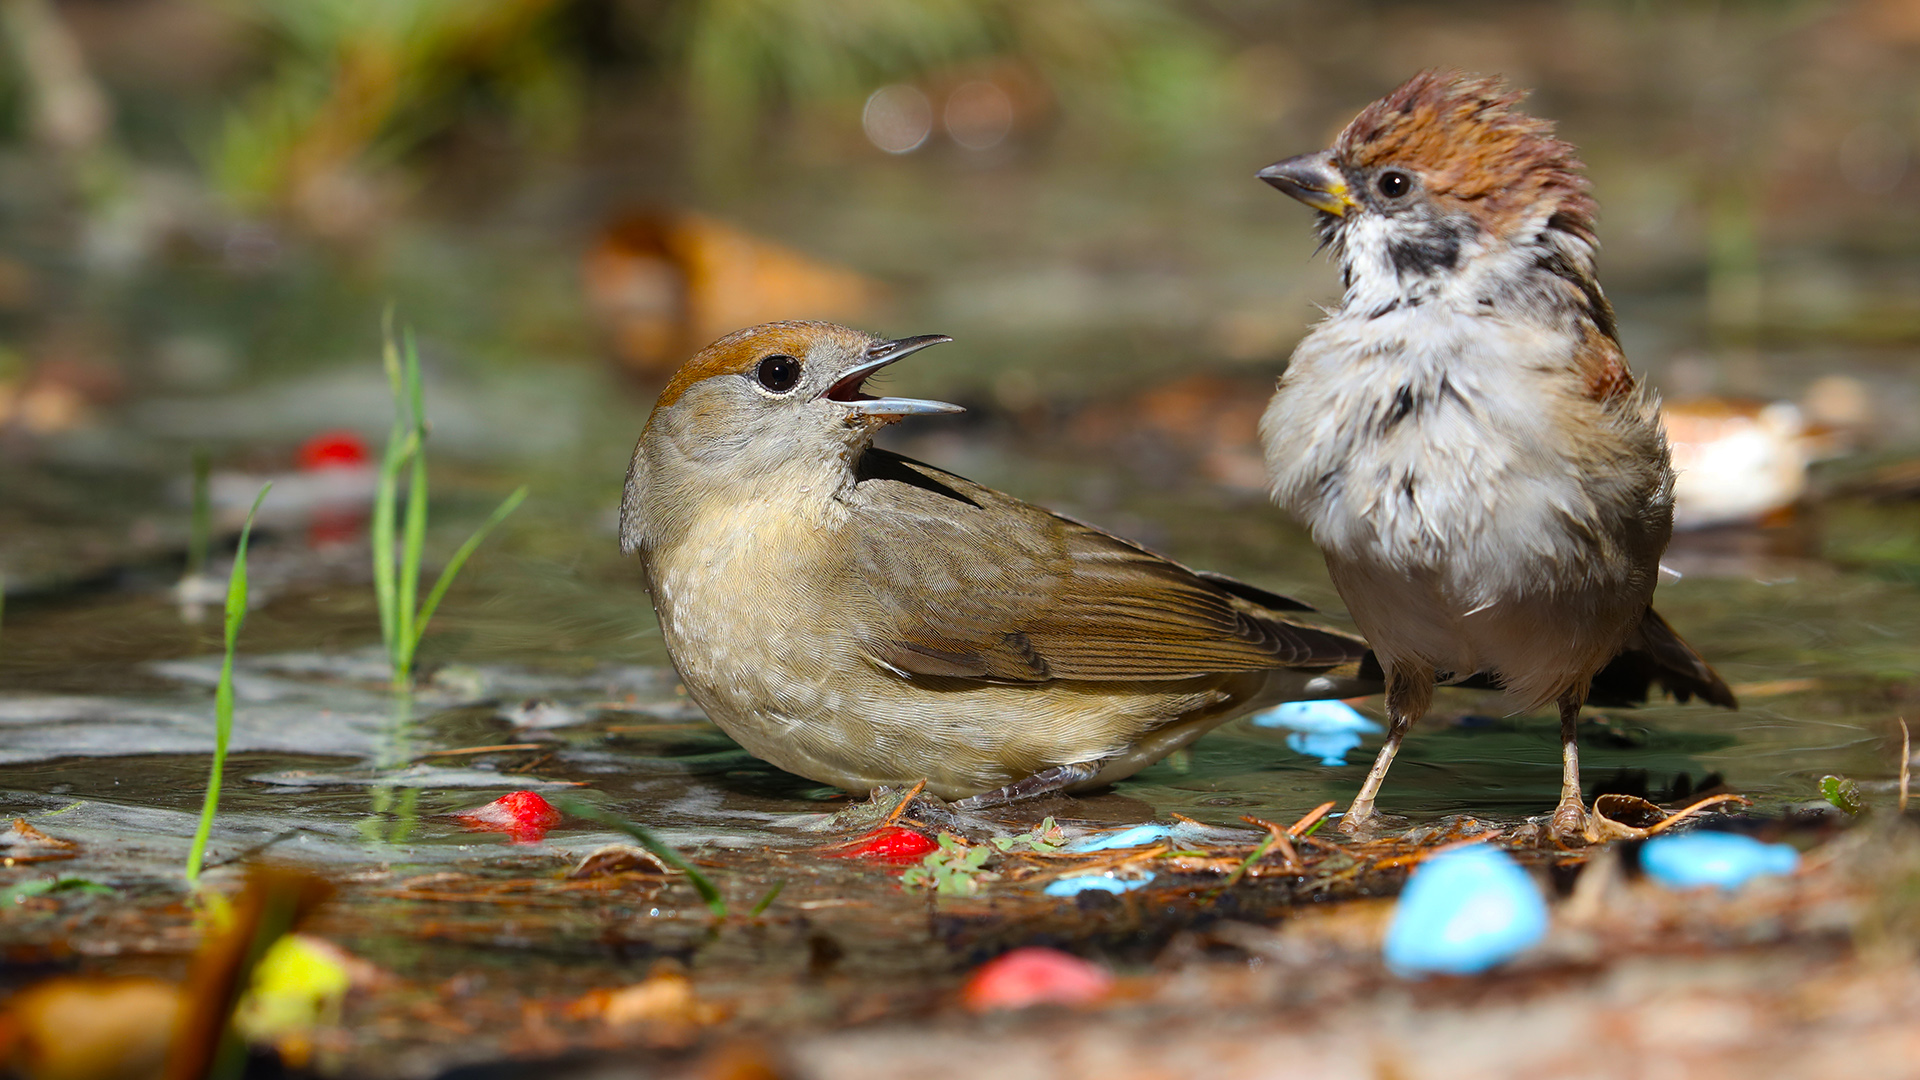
[
  {"x": 846, "y": 388},
  {"x": 1313, "y": 180}
]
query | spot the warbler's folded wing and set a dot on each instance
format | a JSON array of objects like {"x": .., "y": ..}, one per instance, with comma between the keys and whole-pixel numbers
[{"x": 967, "y": 582}]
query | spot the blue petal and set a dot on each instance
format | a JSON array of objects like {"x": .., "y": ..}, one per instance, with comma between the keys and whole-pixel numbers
[
  {"x": 1319, "y": 716},
  {"x": 1138, "y": 836},
  {"x": 1463, "y": 911},
  {"x": 1713, "y": 858},
  {"x": 1329, "y": 746},
  {"x": 1074, "y": 886}
]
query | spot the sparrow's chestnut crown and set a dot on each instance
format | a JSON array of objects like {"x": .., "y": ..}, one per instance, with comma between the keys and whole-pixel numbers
[{"x": 1460, "y": 140}]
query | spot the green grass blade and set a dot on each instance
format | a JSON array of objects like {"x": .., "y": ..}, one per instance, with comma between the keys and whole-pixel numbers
[
  {"x": 1245, "y": 865},
  {"x": 413, "y": 537},
  {"x": 445, "y": 580},
  {"x": 223, "y": 694},
  {"x": 707, "y": 890},
  {"x": 400, "y": 444}
]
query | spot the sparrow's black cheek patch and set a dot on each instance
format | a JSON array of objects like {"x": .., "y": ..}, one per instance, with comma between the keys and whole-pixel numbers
[
  {"x": 1429, "y": 242},
  {"x": 1425, "y": 256}
]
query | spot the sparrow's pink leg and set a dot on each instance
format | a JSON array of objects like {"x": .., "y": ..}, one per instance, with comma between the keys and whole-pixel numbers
[
  {"x": 1409, "y": 692},
  {"x": 1569, "y": 822}
]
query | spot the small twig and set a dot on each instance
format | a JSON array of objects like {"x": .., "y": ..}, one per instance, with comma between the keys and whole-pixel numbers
[
  {"x": 1102, "y": 861},
  {"x": 1906, "y": 763},
  {"x": 1687, "y": 812},
  {"x": 1300, "y": 827},
  {"x": 1279, "y": 835},
  {"x": 500, "y": 747},
  {"x": 901, "y": 807}
]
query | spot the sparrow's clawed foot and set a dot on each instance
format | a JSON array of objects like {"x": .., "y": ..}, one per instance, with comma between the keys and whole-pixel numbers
[
  {"x": 1366, "y": 823},
  {"x": 1568, "y": 826}
]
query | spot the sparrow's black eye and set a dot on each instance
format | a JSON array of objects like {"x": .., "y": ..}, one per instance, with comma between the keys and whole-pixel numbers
[
  {"x": 1393, "y": 183},
  {"x": 778, "y": 373}
]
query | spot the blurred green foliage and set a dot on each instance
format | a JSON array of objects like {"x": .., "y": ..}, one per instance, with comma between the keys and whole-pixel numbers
[
  {"x": 1139, "y": 64},
  {"x": 351, "y": 87}
]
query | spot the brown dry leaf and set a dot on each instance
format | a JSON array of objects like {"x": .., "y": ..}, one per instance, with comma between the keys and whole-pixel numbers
[
  {"x": 741, "y": 1061},
  {"x": 22, "y": 843},
  {"x": 666, "y": 283},
  {"x": 665, "y": 997},
  {"x": 1629, "y": 817},
  {"x": 619, "y": 859},
  {"x": 22, "y": 833},
  {"x": 90, "y": 1029}
]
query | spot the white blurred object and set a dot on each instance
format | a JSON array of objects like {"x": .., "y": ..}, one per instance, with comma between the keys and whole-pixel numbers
[
  {"x": 297, "y": 497},
  {"x": 1736, "y": 461},
  {"x": 897, "y": 118}
]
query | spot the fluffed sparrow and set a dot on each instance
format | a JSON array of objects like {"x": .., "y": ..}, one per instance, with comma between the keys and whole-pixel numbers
[
  {"x": 862, "y": 619},
  {"x": 1489, "y": 484}
]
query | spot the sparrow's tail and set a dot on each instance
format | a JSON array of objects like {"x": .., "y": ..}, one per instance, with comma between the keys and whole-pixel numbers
[{"x": 1655, "y": 654}]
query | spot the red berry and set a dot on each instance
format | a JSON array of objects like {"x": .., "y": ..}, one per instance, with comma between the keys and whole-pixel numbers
[
  {"x": 522, "y": 815},
  {"x": 888, "y": 844},
  {"x": 1035, "y": 976},
  {"x": 332, "y": 449}
]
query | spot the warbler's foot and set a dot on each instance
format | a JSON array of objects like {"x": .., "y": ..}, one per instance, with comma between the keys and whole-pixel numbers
[
  {"x": 1044, "y": 782},
  {"x": 1568, "y": 825}
]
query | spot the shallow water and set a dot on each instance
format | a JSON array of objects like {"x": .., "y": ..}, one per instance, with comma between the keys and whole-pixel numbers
[{"x": 105, "y": 700}]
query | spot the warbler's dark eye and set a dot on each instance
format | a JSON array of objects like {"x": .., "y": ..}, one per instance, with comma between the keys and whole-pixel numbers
[
  {"x": 1393, "y": 183},
  {"x": 778, "y": 373}
]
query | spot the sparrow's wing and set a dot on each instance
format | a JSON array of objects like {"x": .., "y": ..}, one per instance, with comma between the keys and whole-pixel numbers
[
  {"x": 1655, "y": 654},
  {"x": 962, "y": 581}
]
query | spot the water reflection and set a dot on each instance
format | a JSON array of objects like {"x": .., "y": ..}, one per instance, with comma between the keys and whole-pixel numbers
[{"x": 393, "y": 810}]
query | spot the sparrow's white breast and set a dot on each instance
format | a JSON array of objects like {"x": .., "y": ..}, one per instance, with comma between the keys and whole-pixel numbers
[{"x": 1429, "y": 452}]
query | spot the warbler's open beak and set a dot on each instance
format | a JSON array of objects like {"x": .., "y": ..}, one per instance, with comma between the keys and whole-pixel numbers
[
  {"x": 1313, "y": 180},
  {"x": 846, "y": 388}
]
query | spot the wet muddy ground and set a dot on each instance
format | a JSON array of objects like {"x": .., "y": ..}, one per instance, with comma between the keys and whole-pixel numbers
[{"x": 475, "y": 949}]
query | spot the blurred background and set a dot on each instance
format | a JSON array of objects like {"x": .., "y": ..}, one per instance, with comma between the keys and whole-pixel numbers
[{"x": 207, "y": 205}]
